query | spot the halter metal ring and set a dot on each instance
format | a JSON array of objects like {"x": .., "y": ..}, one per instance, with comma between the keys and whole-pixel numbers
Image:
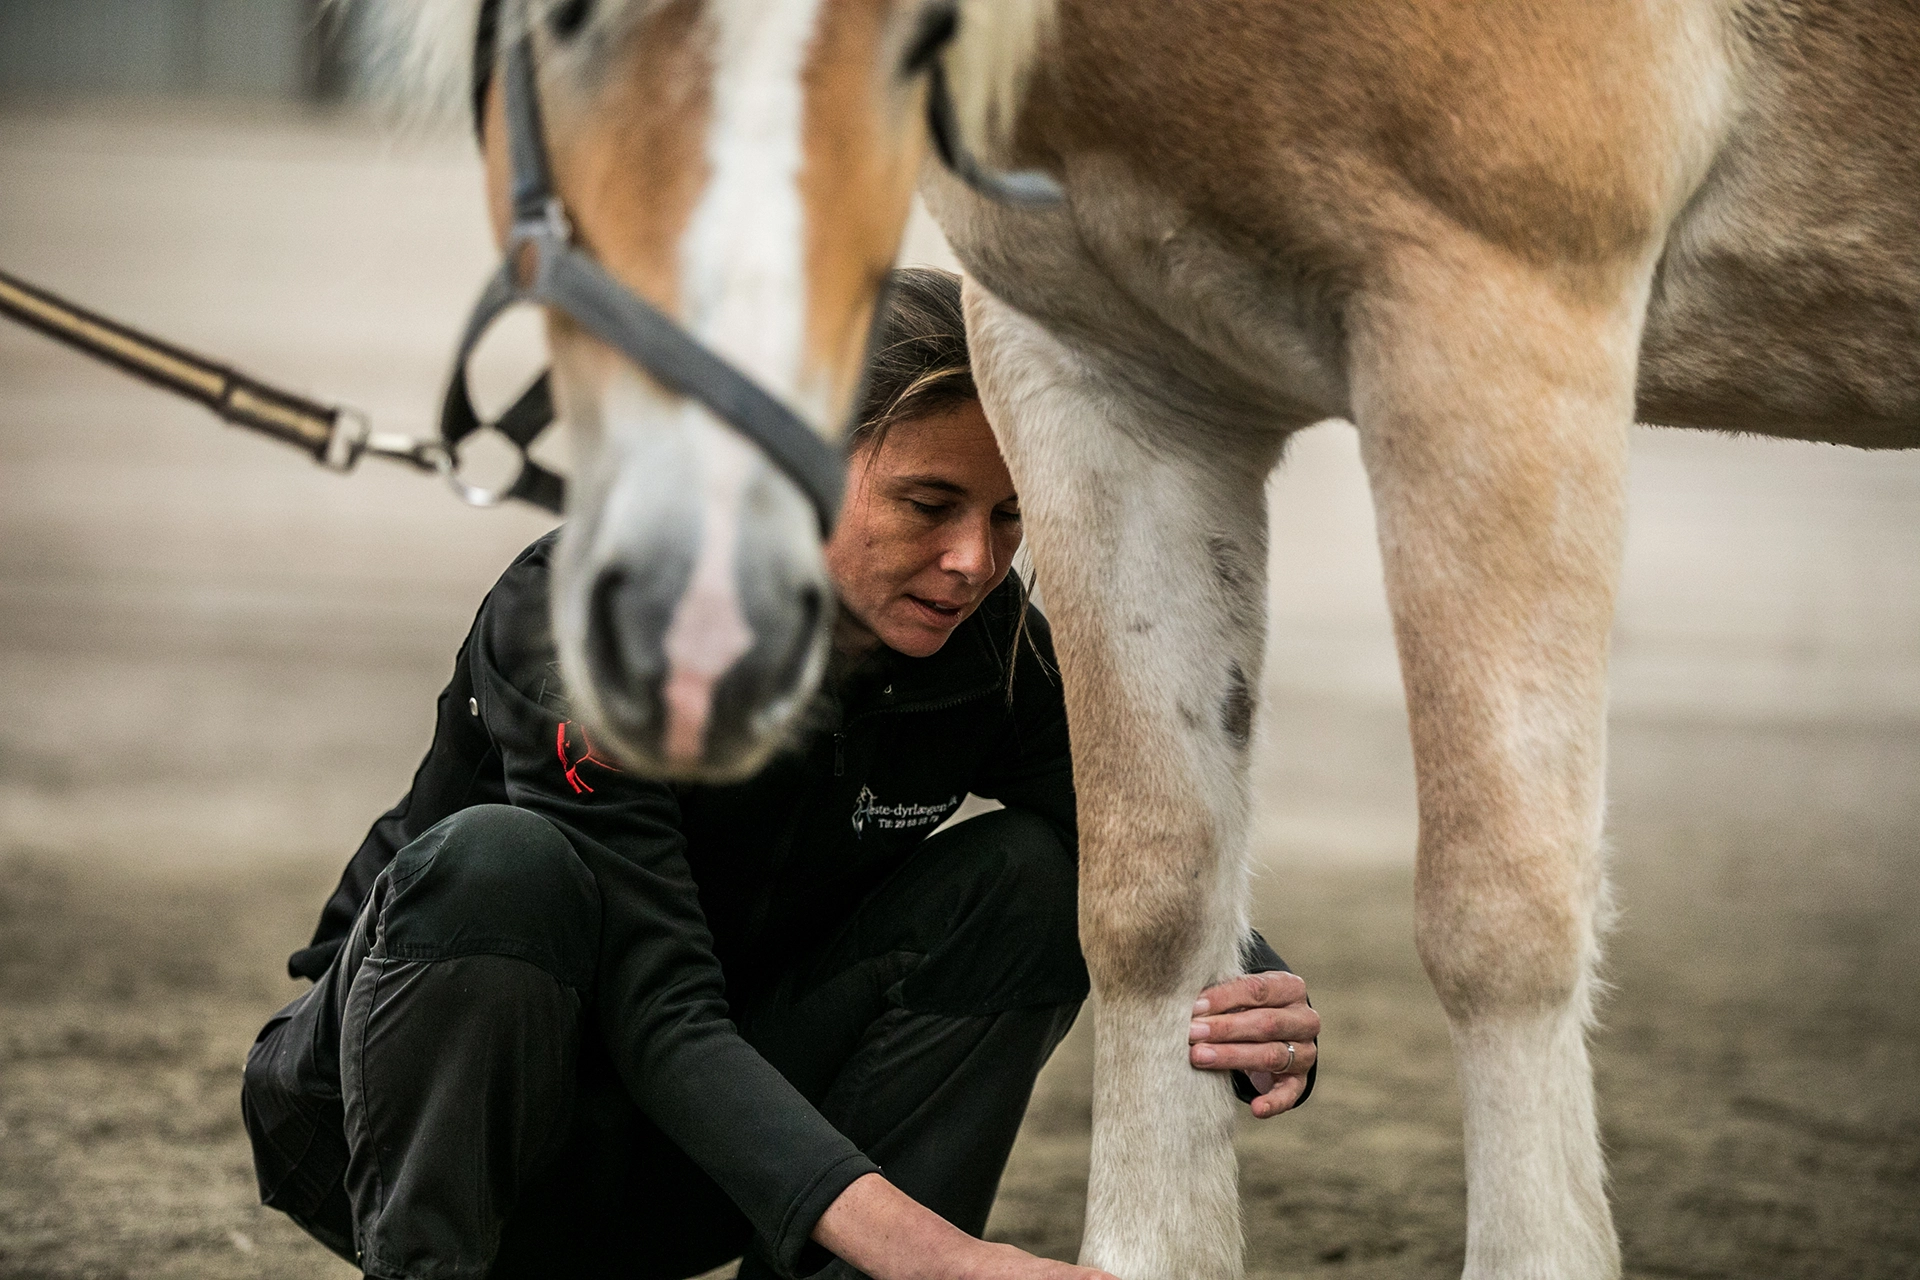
[{"x": 474, "y": 495}]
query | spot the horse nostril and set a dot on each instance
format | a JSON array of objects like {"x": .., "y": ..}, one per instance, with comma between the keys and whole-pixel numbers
[
  {"x": 812, "y": 605},
  {"x": 605, "y": 654},
  {"x": 624, "y": 661},
  {"x": 812, "y": 601}
]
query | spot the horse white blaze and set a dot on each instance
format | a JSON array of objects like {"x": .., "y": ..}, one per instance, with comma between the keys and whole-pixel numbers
[
  {"x": 743, "y": 290},
  {"x": 709, "y": 630},
  {"x": 743, "y": 258}
]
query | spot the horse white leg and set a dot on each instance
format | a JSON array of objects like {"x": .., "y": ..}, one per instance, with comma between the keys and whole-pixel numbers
[
  {"x": 1494, "y": 404},
  {"x": 1149, "y": 544}
]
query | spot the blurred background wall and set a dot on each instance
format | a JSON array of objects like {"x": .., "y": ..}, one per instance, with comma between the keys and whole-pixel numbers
[{"x": 75, "y": 49}]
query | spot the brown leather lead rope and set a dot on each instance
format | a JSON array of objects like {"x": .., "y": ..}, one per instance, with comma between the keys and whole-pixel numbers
[{"x": 333, "y": 435}]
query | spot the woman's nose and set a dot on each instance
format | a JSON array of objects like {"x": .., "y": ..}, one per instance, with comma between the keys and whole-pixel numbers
[{"x": 970, "y": 554}]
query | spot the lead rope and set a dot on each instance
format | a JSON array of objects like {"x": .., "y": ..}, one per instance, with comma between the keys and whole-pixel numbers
[{"x": 335, "y": 436}]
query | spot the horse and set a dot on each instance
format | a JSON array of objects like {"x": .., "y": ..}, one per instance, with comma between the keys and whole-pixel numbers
[{"x": 1492, "y": 236}]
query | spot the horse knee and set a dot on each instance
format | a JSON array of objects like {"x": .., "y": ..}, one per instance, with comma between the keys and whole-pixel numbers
[
  {"x": 494, "y": 880},
  {"x": 1507, "y": 932},
  {"x": 1144, "y": 910}
]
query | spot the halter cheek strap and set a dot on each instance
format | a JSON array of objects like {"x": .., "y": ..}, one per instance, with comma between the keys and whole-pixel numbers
[{"x": 543, "y": 266}]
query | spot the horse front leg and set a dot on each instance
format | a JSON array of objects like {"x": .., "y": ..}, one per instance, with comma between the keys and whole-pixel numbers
[
  {"x": 1494, "y": 404},
  {"x": 1149, "y": 545}
]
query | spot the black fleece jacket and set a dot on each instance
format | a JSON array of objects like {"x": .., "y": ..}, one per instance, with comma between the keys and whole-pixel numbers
[{"x": 704, "y": 888}]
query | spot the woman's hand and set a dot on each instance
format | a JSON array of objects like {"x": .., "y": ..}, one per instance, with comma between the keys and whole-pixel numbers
[
  {"x": 1259, "y": 1024},
  {"x": 888, "y": 1234}
]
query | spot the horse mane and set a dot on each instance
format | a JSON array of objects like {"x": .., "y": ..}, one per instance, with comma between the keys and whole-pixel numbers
[
  {"x": 421, "y": 54},
  {"x": 991, "y": 63},
  {"x": 422, "y": 50}
]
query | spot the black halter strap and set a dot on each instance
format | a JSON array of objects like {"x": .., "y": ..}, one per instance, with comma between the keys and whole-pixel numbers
[{"x": 542, "y": 266}]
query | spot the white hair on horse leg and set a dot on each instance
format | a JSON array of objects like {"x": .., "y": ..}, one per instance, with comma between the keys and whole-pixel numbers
[{"x": 990, "y": 64}]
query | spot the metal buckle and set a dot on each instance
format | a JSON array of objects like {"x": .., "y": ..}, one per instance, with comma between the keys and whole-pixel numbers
[
  {"x": 417, "y": 451},
  {"x": 348, "y": 440},
  {"x": 354, "y": 438},
  {"x": 472, "y": 494},
  {"x": 550, "y": 226}
]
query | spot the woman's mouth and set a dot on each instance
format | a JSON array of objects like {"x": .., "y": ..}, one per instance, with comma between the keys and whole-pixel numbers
[{"x": 936, "y": 613}]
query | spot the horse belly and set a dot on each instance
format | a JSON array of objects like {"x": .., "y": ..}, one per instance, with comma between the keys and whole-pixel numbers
[{"x": 1788, "y": 299}]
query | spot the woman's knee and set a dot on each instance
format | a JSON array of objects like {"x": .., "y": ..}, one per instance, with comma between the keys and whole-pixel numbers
[
  {"x": 493, "y": 880},
  {"x": 1011, "y": 933},
  {"x": 1025, "y": 860}
]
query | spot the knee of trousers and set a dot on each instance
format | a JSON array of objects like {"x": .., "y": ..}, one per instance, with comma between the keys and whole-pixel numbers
[
  {"x": 1010, "y": 919},
  {"x": 493, "y": 880}
]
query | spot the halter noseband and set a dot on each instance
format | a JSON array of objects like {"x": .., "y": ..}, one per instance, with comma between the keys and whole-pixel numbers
[{"x": 542, "y": 265}]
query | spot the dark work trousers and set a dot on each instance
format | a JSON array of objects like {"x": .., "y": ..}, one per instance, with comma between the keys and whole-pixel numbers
[{"x": 440, "y": 1105}]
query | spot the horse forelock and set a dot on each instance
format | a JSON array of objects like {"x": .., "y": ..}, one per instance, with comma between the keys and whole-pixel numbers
[
  {"x": 426, "y": 49},
  {"x": 422, "y": 53}
]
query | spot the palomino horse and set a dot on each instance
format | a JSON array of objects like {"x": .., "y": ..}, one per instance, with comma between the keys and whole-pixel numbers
[{"x": 1491, "y": 235}]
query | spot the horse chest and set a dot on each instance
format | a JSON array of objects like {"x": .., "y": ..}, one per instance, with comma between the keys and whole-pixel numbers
[{"x": 1132, "y": 279}]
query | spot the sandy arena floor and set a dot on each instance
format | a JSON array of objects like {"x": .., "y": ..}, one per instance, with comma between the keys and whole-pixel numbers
[{"x": 218, "y": 665}]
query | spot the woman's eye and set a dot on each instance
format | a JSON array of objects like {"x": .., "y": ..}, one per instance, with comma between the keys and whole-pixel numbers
[{"x": 927, "y": 508}]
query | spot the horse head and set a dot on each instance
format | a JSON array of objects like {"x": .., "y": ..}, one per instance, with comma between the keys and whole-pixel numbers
[{"x": 745, "y": 168}]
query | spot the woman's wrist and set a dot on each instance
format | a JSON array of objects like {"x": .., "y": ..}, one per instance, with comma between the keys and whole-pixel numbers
[{"x": 886, "y": 1233}]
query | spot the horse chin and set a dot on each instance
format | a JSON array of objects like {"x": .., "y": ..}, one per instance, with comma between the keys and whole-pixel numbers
[{"x": 638, "y": 745}]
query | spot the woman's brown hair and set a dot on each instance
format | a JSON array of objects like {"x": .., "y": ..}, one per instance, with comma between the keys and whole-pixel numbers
[
  {"x": 919, "y": 363},
  {"x": 920, "y": 366}
]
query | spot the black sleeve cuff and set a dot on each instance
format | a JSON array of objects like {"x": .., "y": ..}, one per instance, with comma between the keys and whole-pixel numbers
[
  {"x": 795, "y": 1253},
  {"x": 1258, "y": 957},
  {"x": 311, "y": 962}
]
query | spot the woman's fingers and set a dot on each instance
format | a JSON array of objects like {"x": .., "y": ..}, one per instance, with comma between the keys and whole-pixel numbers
[
  {"x": 1252, "y": 991},
  {"x": 1270, "y": 1056},
  {"x": 1282, "y": 1097},
  {"x": 1261, "y": 1024},
  {"x": 1295, "y": 1022},
  {"x": 1005, "y": 1262}
]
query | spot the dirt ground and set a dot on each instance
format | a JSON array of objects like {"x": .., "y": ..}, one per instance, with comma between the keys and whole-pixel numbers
[{"x": 217, "y": 666}]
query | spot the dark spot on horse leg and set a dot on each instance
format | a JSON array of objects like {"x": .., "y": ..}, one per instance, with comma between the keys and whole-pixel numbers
[{"x": 1236, "y": 709}]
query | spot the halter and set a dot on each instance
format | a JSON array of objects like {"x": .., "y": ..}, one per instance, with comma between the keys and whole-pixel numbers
[{"x": 541, "y": 265}]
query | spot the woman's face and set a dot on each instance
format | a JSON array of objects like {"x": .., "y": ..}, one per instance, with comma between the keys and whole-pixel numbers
[{"x": 928, "y": 529}]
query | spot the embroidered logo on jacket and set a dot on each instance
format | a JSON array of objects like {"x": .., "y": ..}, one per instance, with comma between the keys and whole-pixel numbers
[
  {"x": 868, "y": 811},
  {"x": 570, "y": 743}
]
